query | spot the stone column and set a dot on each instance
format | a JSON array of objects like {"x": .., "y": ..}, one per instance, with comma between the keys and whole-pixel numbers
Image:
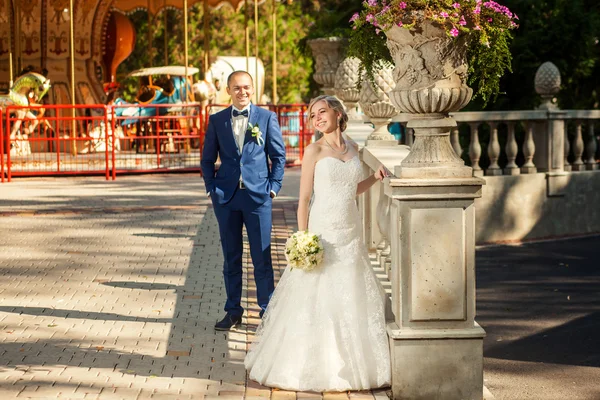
[
  {"x": 436, "y": 345},
  {"x": 377, "y": 106},
  {"x": 328, "y": 54},
  {"x": 550, "y": 136}
]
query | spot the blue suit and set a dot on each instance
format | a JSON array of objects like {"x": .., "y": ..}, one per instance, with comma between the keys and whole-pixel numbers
[{"x": 251, "y": 206}]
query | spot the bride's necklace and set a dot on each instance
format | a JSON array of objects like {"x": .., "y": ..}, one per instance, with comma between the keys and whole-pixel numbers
[{"x": 337, "y": 151}]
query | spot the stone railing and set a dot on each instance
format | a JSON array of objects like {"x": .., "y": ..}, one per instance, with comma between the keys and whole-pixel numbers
[{"x": 524, "y": 142}]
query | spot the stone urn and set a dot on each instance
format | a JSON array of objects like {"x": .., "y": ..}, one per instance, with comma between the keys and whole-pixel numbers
[
  {"x": 430, "y": 81},
  {"x": 328, "y": 53},
  {"x": 346, "y": 85},
  {"x": 376, "y": 105}
]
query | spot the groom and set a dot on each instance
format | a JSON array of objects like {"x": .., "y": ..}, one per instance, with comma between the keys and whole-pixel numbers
[{"x": 245, "y": 138}]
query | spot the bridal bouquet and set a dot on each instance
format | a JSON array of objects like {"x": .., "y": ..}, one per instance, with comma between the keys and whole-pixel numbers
[{"x": 303, "y": 250}]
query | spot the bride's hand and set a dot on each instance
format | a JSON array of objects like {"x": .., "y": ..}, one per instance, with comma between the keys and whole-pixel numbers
[{"x": 380, "y": 173}]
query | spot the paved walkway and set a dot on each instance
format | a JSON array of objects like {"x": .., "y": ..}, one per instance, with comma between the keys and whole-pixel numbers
[{"x": 110, "y": 290}]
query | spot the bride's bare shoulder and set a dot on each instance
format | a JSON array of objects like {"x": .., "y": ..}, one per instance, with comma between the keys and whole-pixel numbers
[{"x": 312, "y": 151}]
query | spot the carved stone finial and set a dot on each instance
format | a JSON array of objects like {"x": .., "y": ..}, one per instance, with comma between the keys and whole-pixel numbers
[
  {"x": 547, "y": 79},
  {"x": 376, "y": 105},
  {"x": 547, "y": 84},
  {"x": 346, "y": 85}
]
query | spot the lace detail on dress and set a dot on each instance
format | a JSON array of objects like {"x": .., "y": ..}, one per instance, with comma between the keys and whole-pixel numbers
[{"x": 324, "y": 330}]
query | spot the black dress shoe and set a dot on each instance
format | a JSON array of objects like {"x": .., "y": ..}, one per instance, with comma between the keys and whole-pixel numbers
[{"x": 228, "y": 322}]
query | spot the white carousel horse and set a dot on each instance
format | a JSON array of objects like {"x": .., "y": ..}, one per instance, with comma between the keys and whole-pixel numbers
[
  {"x": 27, "y": 90},
  {"x": 223, "y": 66}
]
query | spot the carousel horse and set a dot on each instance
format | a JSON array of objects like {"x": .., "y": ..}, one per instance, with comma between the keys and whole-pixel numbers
[
  {"x": 223, "y": 66},
  {"x": 27, "y": 91},
  {"x": 169, "y": 88}
]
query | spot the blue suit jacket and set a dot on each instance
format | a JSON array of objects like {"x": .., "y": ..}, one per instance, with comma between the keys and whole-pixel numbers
[{"x": 252, "y": 163}]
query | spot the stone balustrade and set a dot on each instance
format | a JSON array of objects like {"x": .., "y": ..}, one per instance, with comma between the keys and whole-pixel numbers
[{"x": 524, "y": 142}]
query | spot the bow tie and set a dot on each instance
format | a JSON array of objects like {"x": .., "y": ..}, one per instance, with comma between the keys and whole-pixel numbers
[{"x": 237, "y": 113}]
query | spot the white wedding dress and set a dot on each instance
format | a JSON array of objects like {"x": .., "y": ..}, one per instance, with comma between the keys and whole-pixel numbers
[{"x": 324, "y": 330}]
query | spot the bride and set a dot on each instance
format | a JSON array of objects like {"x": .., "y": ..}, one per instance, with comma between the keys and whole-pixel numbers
[{"x": 324, "y": 330}]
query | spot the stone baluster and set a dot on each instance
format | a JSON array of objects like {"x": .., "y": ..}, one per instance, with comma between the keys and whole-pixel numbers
[
  {"x": 567, "y": 151},
  {"x": 511, "y": 151},
  {"x": 578, "y": 148},
  {"x": 529, "y": 151},
  {"x": 475, "y": 150},
  {"x": 590, "y": 148},
  {"x": 494, "y": 151},
  {"x": 454, "y": 139},
  {"x": 383, "y": 222},
  {"x": 410, "y": 136}
]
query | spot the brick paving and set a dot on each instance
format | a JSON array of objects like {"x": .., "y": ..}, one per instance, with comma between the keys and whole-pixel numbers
[{"x": 110, "y": 290}]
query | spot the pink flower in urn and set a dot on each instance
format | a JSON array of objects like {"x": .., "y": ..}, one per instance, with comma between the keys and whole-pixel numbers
[
  {"x": 400, "y": 24},
  {"x": 444, "y": 14},
  {"x": 454, "y": 32},
  {"x": 354, "y": 17},
  {"x": 462, "y": 21},
  {"x": 402, "y": 5},
  {"x": 456, "y": 5}
]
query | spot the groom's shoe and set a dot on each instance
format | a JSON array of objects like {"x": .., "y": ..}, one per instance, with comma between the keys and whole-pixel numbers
[{"x": 228, "y": 322}]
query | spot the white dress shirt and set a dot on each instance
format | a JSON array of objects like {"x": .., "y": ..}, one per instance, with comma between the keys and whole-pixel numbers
[{"x": 239, "y": 125}]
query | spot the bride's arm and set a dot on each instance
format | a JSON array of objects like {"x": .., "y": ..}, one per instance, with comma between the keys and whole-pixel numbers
[
  {"x": 364, "y": 185},
  {"x": 306, "y": 185}
]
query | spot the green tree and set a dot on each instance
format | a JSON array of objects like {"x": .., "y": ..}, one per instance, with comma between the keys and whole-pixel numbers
[{"x": 565, "y": 32}]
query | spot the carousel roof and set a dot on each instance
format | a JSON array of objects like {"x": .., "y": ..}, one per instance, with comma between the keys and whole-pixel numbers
[
  {"x": 155, "y": 6},
  {"x": 174, "y": 70}
]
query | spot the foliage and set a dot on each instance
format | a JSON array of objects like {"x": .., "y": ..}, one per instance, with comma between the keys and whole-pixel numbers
[
  {"x": 565, "y": 32},
  {"x": 227, "y": 38},
  {"x": 485, "y": 25}
]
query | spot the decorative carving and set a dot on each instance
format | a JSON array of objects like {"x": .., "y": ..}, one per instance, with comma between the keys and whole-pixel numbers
[
  {"x": 327, "y": 53},
  {"x": 547, "y": 84},
  {"x": 376, "y": 104},
  {"x": 430, "y": 70},
  {"x": 346, "y": 84}
]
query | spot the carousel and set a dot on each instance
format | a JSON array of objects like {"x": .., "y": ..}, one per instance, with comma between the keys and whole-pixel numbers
[{"x": 58, "y": 63}]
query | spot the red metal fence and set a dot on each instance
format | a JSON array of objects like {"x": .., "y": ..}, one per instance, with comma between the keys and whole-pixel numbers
[{"x": 116, "y": 139}]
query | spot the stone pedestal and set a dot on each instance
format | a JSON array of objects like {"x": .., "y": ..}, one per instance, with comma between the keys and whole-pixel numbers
[
  {"x": 432, "y": 155},
  {"x": 435, "y": 342}
]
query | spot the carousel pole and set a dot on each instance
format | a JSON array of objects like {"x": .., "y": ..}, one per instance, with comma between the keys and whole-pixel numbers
[
  {"x": 274, "y": 64},
  {"x": 165, "y": 22},
  {"x": 150, "y": 35},
  {"x": 256, "y": 90},
  {"x": 72, "y": 59},
  {"x": 10, "y": 40},
  {"x": 185, "y": 49},
  {"x": 247, "y": 33},
  {"x": 206, "y": 41},
  {"x": 18, "y": 36}
]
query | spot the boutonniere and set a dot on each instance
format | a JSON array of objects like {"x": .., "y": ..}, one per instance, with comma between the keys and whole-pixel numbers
[{"x": 256, "y": 133}]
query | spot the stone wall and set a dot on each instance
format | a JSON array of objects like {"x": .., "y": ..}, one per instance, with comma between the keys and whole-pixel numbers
[{"x": 515, "y": 208}]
